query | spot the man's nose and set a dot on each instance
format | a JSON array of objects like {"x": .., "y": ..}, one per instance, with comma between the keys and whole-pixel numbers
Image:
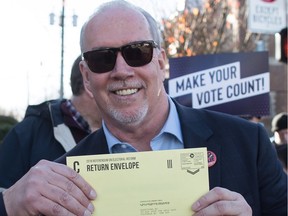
[{"x": 122, "y": 69}]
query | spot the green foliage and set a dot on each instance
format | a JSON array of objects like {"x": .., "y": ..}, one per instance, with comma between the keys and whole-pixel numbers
[{"x": 6, "y": 123}]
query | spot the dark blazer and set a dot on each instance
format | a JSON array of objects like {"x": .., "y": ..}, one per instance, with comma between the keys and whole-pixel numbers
[{"x": 246, "y": 161}]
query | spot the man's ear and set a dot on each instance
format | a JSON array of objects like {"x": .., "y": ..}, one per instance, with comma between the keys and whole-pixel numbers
[
  {"x": 85, "y": 76},
  {"x": 162, "y": 59}
]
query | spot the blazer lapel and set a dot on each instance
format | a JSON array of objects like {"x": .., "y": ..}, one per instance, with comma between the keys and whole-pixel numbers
[
  {"x": 99, "y": 143},
  {"x": 196, "y": 133}
]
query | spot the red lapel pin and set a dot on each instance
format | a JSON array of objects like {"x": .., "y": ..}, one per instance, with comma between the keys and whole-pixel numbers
[{"x": 211, "y": 158}]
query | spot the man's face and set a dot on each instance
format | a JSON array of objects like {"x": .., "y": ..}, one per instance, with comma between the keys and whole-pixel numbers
[
  {"x": 125, "y": 95},
  {"x": 284, "y": 135}
]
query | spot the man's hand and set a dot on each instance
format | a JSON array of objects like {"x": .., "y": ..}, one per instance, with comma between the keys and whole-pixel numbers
[
  {"x": 52, "y": 189},
  {"x": 220, "y": 201}
]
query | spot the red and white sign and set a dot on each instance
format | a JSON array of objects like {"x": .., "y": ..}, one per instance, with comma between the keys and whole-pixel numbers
[{"x": 267, "y": 16}]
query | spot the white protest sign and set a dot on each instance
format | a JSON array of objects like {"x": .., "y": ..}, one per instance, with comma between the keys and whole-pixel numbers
[{"x": 267, "y": 16}]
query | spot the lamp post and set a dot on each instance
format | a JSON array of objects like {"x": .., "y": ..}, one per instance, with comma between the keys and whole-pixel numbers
[
  {"x": 62, "y": 22},
  {"x": 62, "y": 25}
]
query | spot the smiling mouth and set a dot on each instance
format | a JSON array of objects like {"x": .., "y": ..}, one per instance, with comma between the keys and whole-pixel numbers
[{"x": 125, "y": 92}]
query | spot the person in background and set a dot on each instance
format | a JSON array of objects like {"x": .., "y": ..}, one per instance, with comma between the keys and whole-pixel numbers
[
  {"x": 124, "y": 70},
  {"x": 252, "y": 118},
  {"x": 48, "y": 130},
  {"x": 280, "y": 137}
]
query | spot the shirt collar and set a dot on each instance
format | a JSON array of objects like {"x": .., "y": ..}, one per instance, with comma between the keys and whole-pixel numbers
[
  {"x": 78, "y": 119},
  {"x": 172, "y": 124}
]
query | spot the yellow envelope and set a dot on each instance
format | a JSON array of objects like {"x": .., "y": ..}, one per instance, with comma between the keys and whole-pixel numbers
[{"x": 163, "y": 183}]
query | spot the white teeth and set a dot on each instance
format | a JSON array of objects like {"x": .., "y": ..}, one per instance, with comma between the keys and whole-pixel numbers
[{"x": 126, "y": 91}]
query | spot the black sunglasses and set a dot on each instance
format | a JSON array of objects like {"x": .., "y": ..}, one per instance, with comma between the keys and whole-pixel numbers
[{"x": 136, "y": 54}]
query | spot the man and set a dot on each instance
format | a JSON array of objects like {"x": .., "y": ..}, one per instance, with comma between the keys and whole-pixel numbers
[
  {"x": 124, "y": 70},
  {"x": 48, "y": 130},
  {"x": 280, "y": 138}
]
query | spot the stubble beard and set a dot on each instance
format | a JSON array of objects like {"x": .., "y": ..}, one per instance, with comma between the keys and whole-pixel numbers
[{"x": 129, "y": 118}]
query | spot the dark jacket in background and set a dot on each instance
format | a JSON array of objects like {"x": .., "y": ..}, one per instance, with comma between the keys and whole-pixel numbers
[
  {"x": 282, "y": 153},
  {"x": 41, "y": 135}
]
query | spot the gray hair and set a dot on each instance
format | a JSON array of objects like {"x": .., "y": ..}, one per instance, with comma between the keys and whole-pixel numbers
[{"x": 153, "y": 25}]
